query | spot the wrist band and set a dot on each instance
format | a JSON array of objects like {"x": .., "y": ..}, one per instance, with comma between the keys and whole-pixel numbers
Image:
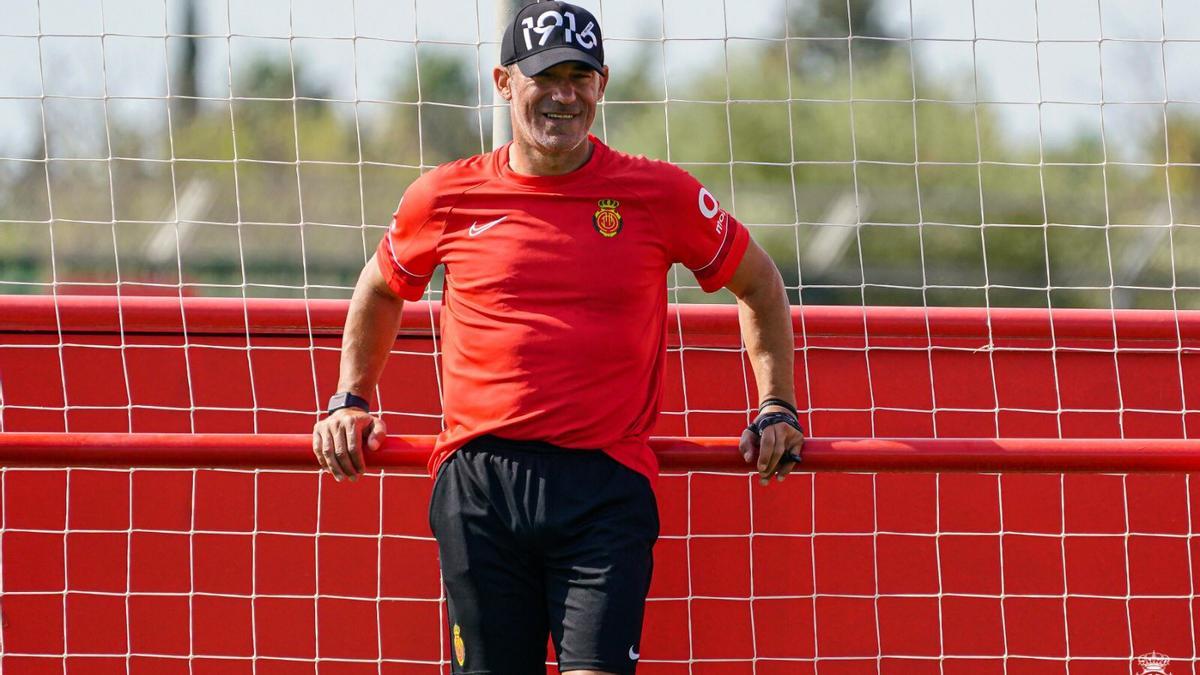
[
  {"x": 769, "y": 419},
  {"x": 345, "y": 399},
  {"x": 781, "y": 403}
]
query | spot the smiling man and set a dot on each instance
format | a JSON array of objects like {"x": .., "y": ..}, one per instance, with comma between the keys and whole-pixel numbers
[{"x": 556, "y": 250}]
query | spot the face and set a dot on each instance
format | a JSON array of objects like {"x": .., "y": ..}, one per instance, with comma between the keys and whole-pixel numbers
[{"x": 553, "y": 110}]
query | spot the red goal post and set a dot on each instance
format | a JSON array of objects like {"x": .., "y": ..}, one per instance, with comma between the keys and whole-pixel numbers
[
  {"x": 985, "y": 491},
  {"x": 294, "y": 451}
]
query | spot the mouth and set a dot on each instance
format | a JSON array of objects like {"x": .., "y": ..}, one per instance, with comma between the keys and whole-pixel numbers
[{"x": 559, "y": 116}]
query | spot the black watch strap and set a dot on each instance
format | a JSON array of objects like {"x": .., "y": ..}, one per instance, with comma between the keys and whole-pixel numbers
[
  {"x": 767, "y": 419},
  {"x": 344, "y": 399}
]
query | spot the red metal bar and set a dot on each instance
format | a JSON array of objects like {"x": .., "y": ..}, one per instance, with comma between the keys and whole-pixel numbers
[
  {"x": 151, "y": 314},
  {"x": 295, "y": 451}
]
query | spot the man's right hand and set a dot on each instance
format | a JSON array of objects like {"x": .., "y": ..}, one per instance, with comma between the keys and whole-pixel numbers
[{"x": 338, "y": 441}]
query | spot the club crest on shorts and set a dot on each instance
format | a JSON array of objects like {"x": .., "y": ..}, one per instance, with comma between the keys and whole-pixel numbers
[
  {"x": 1154, "y": 664},
  {"x": 607, "y": 220},
  {"x": 460, "y": 647}
]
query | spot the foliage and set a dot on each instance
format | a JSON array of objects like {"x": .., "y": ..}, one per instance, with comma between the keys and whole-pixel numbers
[{"x": 867, "y": 188}]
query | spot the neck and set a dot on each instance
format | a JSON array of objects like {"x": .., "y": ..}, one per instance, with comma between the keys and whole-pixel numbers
[{"x": 525, "y": 158}]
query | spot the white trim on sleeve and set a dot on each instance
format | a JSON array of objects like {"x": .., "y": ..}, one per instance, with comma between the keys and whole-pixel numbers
[{"x": 397, "y": 263}]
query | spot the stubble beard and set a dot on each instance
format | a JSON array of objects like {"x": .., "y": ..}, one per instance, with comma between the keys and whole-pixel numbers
[{"x": 551, "y": 141}]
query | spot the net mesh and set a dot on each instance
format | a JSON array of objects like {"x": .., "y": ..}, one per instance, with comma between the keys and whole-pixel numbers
[
  {"x": 254, "y": 569},
  {"x": 233, "y": 571},
  {"x": 886, "y": 152}
]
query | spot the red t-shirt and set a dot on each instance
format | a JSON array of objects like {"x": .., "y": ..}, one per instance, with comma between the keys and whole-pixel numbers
[{"x": 553, "y": 322}]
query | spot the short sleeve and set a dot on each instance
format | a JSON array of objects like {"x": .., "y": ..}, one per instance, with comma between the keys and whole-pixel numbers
[
  {"x": 705, "y": 237},
  {"x": 408, "y": 253}
]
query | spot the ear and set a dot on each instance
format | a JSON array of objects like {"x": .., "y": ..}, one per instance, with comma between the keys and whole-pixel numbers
[
  {"x": 503, "y": 81},
  {"x": 603, "y": 82}
]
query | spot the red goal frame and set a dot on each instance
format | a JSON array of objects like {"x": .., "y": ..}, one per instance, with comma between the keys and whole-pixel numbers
[{"x": 974, "y": 478}]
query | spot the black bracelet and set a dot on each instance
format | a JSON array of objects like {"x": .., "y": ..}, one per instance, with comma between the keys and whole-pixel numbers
[
  {"x": 345, "y": 399},
  {"x": 781, "y": 403}
]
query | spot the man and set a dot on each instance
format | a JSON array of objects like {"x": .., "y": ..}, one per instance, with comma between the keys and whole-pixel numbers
[{"x": 556, "y": 251}]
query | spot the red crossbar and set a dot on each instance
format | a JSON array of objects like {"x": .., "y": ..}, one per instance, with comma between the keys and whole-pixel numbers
[
  {"x": 151, "y": 314},
  {"x": 295, "y": 451}
]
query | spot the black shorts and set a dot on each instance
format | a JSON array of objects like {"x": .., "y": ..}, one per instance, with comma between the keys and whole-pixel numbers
[{"x": 536, "y": 540}]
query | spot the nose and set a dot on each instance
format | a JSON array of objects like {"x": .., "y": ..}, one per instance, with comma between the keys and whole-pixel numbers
[{"x": 563, "y": 92}]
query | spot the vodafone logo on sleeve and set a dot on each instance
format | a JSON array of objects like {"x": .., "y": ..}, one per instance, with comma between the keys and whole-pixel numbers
[
  {"x": 708, "y": 204},
  {"x": 709, "y": 208}
]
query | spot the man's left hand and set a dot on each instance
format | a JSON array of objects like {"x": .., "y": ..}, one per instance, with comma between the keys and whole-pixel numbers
[{"x": 775, "y": 450}]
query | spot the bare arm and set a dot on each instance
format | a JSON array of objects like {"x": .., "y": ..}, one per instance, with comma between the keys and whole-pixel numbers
[
  {"x": 766, "y": 323},
  {"x": 370, "y": 331}
]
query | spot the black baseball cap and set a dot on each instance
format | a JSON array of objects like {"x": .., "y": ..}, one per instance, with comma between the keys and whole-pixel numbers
[{"x": 545, "y": 34}]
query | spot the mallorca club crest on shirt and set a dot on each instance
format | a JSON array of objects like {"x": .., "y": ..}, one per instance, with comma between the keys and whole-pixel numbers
[
  {"x": 607, "y": 219},
  {"x": 460, "y": 647},
  {"x": 1154, "y": 664}
]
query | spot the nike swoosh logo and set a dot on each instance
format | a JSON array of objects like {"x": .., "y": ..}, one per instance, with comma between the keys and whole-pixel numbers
[
  {"x": 477, "y": 229},
  {"x": 633, "y": 656}
]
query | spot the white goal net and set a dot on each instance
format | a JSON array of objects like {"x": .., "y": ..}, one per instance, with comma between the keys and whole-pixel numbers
[{"x": 919, "y": 152}]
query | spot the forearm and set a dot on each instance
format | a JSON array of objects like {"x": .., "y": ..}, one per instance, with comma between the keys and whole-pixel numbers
[
  {"x": 370, "y": 332},
  {"x": 766, "y": 325}
]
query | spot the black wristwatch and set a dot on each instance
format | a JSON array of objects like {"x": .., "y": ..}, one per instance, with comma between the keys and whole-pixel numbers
[{"x": 344, "y": 399}]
